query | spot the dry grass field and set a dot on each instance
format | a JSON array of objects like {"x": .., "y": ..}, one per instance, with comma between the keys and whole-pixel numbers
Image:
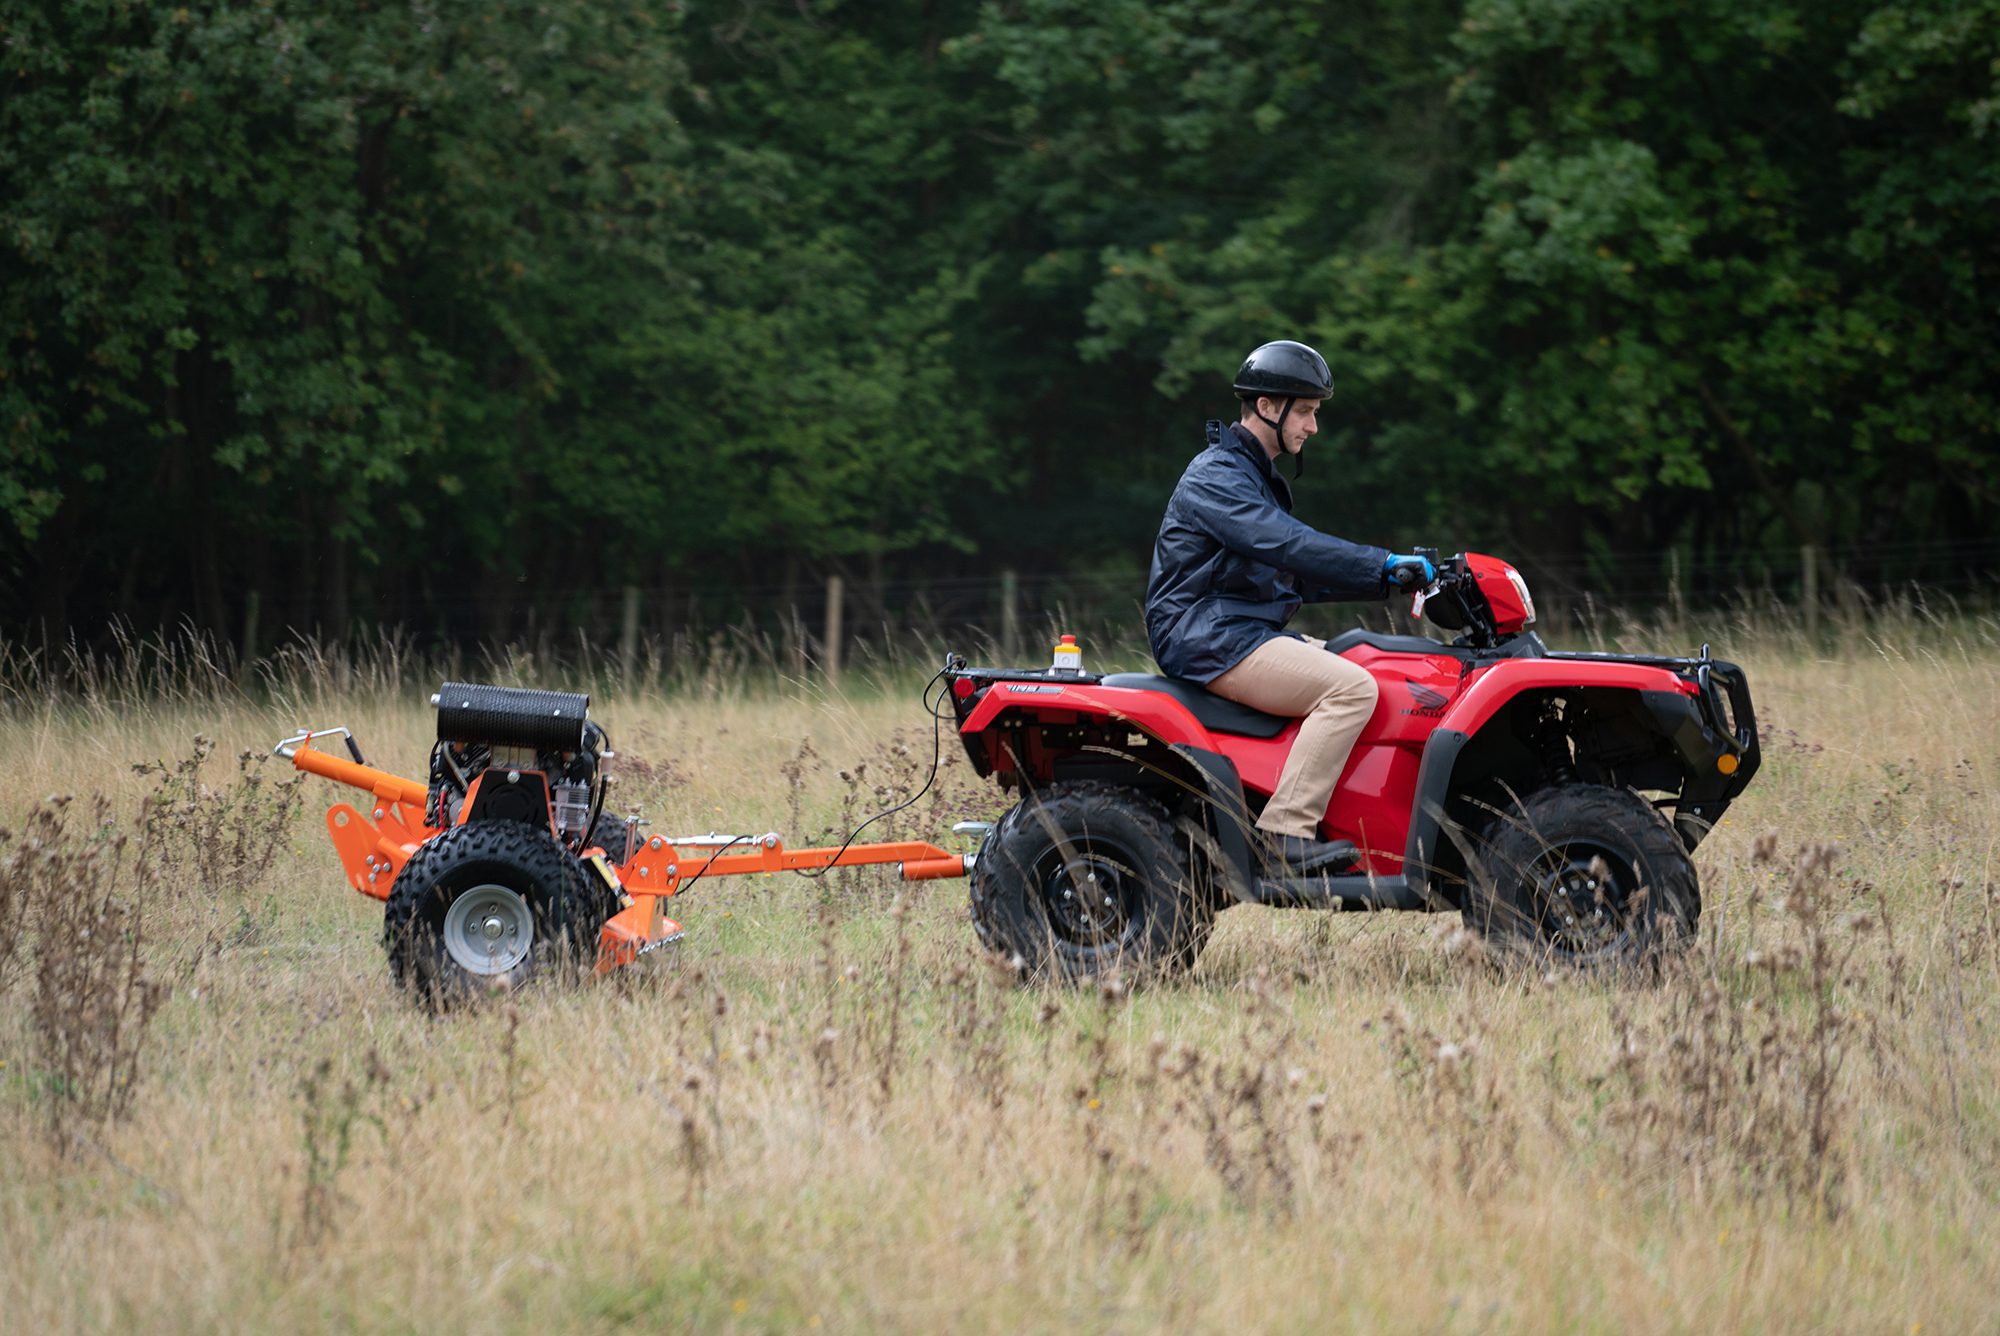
[{"x": 830, "y": 1112}]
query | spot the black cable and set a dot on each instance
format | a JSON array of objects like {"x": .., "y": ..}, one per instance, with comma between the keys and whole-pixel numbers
[
  {"x": 937, "y": 755},
  {"x": 683, "y": 890}
]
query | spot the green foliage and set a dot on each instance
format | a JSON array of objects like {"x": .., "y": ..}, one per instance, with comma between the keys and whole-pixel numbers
[
  {"x": 1644, "y": 259},
  {"x": 441, "y": 313}
]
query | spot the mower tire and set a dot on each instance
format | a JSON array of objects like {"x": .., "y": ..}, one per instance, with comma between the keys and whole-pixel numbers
[
  {"x": 1582, "y": 875},
  {"x": 608, "y": 833},
  {"x": 488, "y": 906},
  {"x": 1083, "y": 879}
]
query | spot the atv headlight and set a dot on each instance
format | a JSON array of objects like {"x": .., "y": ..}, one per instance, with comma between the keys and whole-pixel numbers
[{"x": 1527, "y": 599}]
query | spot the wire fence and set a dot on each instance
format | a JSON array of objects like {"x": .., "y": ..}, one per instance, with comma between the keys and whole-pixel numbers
[
  {"x": 1003, "y": 606},
  {"x": 710, "y": 637}
]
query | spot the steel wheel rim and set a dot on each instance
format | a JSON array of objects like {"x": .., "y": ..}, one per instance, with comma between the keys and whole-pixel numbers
[
  {"x": 1584, "y": 898},
  {"x": 489, "y": 930},
  {"x": 1089, "y": 894}
]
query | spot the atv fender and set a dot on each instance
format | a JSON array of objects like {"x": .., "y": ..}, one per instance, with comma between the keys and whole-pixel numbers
[
  {"x": 1229, "y": 817},
  {"x": 1491, "y": 688},
  {"x": 1153, "y": 711},
  {"x": 1427, "y": 812},
  {"x": 1705, "y": 721}
]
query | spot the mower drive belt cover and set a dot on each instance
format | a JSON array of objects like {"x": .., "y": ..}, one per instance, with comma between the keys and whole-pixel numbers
[{"x": 511, "y": 716}]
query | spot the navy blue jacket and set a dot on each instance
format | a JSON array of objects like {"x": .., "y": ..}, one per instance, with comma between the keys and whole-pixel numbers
[{"x": 1231, "y": 565}]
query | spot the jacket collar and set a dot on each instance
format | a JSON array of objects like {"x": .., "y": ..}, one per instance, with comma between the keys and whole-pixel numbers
[
  {"x": 1235, "y": 435},
  {"x": 1244, "y": 443}
]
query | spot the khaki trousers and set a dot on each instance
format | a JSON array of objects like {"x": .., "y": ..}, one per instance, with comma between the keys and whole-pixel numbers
[{"x": 1336, "y": 697}]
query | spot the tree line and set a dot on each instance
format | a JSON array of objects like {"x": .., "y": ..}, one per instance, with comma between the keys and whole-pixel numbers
[{"x": 443, "y": 315}]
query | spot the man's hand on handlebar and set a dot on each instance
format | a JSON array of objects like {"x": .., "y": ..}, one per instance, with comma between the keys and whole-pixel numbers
[{"x": 1408, "y": 572}]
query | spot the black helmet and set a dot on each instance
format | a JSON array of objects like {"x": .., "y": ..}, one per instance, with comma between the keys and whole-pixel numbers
[{"x": 1284, "y": 370}]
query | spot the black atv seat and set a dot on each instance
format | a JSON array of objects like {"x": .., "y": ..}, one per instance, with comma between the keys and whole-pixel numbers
[{"x": 1211, "y": 711}]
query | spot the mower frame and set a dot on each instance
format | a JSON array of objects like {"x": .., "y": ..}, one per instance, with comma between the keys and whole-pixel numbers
[{"x": 374, "y": 845}]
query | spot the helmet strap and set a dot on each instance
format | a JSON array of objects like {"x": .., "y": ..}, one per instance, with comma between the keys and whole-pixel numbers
[{"x": 1278, "y": 428}]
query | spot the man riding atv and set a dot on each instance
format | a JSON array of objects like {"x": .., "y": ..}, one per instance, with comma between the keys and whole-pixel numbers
[
  {"x": 1230, "y": 568},
  {"x": 1551, "y": 798}
]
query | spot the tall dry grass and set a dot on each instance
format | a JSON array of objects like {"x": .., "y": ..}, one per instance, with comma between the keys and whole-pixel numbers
[{"x": 830, "y": 1112}]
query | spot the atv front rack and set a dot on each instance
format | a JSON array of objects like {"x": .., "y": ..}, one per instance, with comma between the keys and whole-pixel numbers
[{"x": 374, "y": 845}]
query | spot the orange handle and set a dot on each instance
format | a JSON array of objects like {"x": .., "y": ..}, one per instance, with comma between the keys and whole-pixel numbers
[
  {"x": 393, "y": 788},
  {"x": 929, "y": 869}
]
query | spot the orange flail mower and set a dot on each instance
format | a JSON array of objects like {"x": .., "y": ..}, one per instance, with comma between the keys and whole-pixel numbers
[{"x": 506, "y": 862}]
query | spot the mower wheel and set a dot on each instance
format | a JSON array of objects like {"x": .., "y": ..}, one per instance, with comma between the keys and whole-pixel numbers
[
  {"x": 487, "y": 906},
  {"x": 600, "y": 901},
  {"x": 1081, "y": 879},
  {"x": 1583, "y": 875},
  {"x": 608, "y": 833}
]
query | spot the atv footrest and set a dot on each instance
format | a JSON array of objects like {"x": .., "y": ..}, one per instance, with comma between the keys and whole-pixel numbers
[
  {"x": 1336, "y": 857},
  {"x": 1354, "y": 891}
]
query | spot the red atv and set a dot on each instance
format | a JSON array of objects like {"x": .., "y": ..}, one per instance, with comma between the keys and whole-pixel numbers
[{"x": 1552, "y": 799}]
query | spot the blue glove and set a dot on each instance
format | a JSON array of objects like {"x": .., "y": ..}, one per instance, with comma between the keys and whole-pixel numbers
[{"x": 1408, "y": 572}]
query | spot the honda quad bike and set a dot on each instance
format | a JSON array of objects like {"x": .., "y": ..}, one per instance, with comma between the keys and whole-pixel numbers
[{"x": 1552, "y": 799}]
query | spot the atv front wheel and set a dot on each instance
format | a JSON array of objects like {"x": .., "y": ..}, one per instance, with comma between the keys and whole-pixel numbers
[
  {"x": 1584, "y": 875},
  {"x": 1082, "y": 879},
  {"x": 486, "y": 906}
]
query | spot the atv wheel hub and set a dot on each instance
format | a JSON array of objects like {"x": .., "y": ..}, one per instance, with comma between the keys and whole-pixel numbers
[
  {"x": 489, "y": 930},
  {"x": 1085, "y": 898},
  {"x": 1584, "y": 907}
]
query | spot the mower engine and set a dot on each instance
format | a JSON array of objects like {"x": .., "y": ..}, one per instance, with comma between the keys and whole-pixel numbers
[{"x": 513, "y": 754}]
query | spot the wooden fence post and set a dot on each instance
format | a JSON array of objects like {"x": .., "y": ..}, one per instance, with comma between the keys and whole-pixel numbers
[
  {"x": 830, "y": 641},
  {"x": 628, "y": 635},
  {"x": 248, "y": 654},
  {"x": 1010, "y": 615},
  {"x": 1809, "y": 576}
]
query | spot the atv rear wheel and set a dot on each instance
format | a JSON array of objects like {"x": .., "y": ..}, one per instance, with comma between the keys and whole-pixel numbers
[
  {"x": 1583, "y": 875},
  {"x": 1082, "y": 879},
  {"x": 487, "y": 906}
]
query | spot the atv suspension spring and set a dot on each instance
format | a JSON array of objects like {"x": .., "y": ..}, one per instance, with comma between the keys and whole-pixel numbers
[{"x": 1552, "y": 743}]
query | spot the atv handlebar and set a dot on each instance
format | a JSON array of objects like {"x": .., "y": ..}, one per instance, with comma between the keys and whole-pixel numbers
[{"x": 1410, "y": 573}]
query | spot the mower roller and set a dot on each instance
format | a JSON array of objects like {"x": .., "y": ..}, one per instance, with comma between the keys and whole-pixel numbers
[{"x": 505, "y": 863}]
